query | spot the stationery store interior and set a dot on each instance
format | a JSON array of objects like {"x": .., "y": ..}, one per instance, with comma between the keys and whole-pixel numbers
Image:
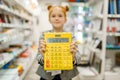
[{"x": 25, "y": 25}]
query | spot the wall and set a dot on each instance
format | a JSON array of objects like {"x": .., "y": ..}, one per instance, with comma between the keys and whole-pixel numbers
[{"x": 43, "y": 19}]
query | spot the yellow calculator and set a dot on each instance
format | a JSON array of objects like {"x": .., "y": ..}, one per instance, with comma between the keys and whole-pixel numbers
[{"x": 57, "y": 55}]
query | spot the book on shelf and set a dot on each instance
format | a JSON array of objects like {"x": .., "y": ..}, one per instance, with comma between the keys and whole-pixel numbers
[
  {"x": 113, "y": 25},
  {"x": 1, "y": 2},
  {"x": 118, "y": 6},
  {"x": 2, "y": 20},
  {"x": 111, "y": 7},
  {"x": 10, "y": 19},
  {"x": 114, "y": 7}
]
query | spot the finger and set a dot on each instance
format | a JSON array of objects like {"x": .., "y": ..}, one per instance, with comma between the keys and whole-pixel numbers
[
  {"x": 73, "y": 47},
  {"x": 42, "y": 51},
  {"x": 73, "y": 43},
  {"x": 73, "y": 56},
  {"x": 42, "y": 46},
  {"x": 73, "y": 51},
  {"x": 43, "y": 42}
]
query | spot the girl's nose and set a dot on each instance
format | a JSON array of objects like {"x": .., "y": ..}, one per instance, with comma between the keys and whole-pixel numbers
[{"x": 56, "y": 18}]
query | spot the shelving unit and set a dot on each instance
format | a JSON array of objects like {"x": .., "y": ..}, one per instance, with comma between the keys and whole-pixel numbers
[
  {"x": 106, "y": 30},
  {"x": 109, "y": 69},
  {"x": 97, "y": 19},
  {"x": 112, "y": 39},
  {"x": 97, "y": 10},
  {"x": 16, "y": 23}
]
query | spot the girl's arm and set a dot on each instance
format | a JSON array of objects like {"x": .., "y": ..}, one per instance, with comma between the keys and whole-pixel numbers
[
  {"x": 76, "y": 55},
  {"x": 39, "y": 56}
]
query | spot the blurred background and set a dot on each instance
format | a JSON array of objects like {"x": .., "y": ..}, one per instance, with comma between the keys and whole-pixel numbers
[{"x": 94, "y": 23}]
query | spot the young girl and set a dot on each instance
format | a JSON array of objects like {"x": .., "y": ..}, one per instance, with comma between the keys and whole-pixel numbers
[{"x": 57, "y": 17}]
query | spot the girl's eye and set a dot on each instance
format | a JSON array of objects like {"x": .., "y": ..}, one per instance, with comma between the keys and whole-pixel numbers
[
  {"x": 53, "y": 15},
  {"x": 60, "y": 16}
]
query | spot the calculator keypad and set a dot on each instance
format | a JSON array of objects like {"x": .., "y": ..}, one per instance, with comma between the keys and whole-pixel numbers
[{"x": 58, "y": 57}]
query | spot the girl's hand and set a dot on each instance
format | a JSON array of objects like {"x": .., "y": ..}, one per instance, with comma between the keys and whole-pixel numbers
[
  {"x": 73, "y": 48},
  {"x": 42, "y": 47}
]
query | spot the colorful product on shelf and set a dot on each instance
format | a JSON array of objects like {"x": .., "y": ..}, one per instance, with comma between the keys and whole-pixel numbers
[
  {"x": 26, "y": 53},
  {"x": 77, "y": 0},
  {"x": 72, "y": 0},
  {"x": 13, "y": 17}
]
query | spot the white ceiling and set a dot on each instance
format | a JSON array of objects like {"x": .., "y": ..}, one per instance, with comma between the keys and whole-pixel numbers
[
  {"x": 51, "y": 1},
  {"x": 44, "y": 3}
]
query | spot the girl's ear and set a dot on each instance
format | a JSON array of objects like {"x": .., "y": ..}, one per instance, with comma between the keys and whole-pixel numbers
[
  {"x": 49, "y": 7},
  {"x": 66, "y": 8}
]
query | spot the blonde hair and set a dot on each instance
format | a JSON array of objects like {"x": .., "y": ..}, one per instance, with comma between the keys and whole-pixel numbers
[{"x": 63, "y": 9}]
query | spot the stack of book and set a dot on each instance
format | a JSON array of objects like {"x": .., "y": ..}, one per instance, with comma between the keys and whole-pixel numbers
[{"x": 114, "y": 7}]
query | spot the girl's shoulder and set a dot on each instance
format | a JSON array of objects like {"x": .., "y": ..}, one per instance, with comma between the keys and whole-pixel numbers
[
  {"x": 47, "y": 31},
  {"x": 42, "y": 34}
]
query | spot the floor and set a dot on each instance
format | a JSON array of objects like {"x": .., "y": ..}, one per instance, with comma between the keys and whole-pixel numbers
[{"x": 31, "y": 75}]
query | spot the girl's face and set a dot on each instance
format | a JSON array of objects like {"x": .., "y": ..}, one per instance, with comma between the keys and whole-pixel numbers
[{"x": 57, "y": 18}]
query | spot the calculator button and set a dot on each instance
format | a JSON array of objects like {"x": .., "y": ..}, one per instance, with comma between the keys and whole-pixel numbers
[
  {"x": 47, "y": 61},
  {"x": 47, "y": 66}
]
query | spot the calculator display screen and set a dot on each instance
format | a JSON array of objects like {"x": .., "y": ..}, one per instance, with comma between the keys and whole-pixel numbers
[{"x": 56, "y": 40}]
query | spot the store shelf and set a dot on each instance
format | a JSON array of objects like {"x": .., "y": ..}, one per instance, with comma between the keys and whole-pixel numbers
[
  {"x": 11, "y": 55},
  {"x": 77, "y": 3},
  {"x": 20, "y": 26},
  {"x": 29, "y": 65},
  {"x": 91, "y": 48},
  {"x": 85, "y": 71},
  {"x": 7, "y": 59},
  {"x": 95, "y": 33},
  {"x": 17, "y": 52},
  {"x": 95, "y": 50},
  {"x": 95, "y": 16},
  {"x": 23, "y": 6},
  {"x": 12, "y": 12},
  {"x": 112, "y": 47},
  {"x": 114, "y": 16},
  {"x": 113, "y": 34},
  {"x": 92, "y": 2},
  {"x": 99, "y": 12},
  {"x": 4, "y": 38},
  {"x": 16, "y": 23}
]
